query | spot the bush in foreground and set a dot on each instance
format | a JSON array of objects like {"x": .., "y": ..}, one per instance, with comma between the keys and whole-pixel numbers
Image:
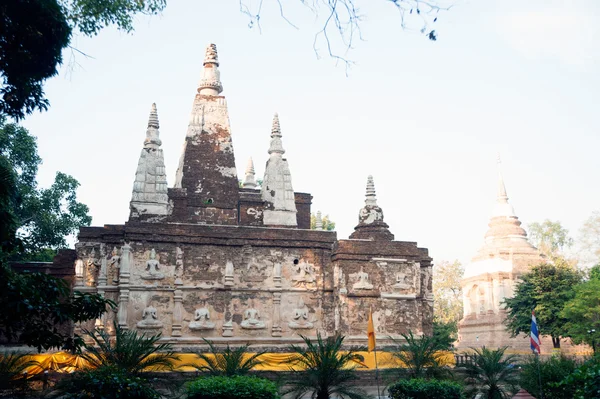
[
  {"x": 419, "y": 388},
  {"x": 550, "y": 371},
  {"x": 238, "y": 387},
  {"x": 106, "y": 383}
]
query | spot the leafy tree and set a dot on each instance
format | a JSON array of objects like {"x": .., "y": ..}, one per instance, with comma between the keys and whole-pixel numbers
[
  {"x": 33, "y": 34},
  {"x": 228, "y": 362},
  {"x": 328, "y": 224},
  {"x": 545, "y": 289},
  {"x": 43, "y": 217},
  {"x": 420, "y": 357},
  {"x": 445, "y": 334},
  {"x": 582, "y": 312},
  {"x": 589, "y": 239},
  {"x": 491, "y": 373},
  {"x": 447, "y": 292},
  {"x": 127, "y": 351},
  {"x": 38, "y": 309},
  {"x": 584, "y": 382},
  {"x": 551, "y": 372},
  {"x": 322, "y": 370},
  {"x": 551, "y": 238}
]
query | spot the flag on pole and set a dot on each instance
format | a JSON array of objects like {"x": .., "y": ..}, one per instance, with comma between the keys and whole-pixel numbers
[
  {"x": 534, "y": 336},
  {"x": 371, "y": 332}
]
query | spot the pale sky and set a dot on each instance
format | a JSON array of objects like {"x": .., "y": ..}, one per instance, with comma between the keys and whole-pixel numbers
[{"x": 426, "y": 119}]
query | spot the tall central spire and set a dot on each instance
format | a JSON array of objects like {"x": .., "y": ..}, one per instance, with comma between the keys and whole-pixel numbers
[
  {"x": 502, "y": 208},
  {"x": 207, "y": 177}
]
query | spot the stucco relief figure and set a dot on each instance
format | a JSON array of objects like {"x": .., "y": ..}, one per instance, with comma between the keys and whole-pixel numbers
[
  {"x": 304, "y": 273},
  {"x": 252, "y": 320},
  {"x": 363, "y": 282},
  {"x": 114, "y": 262},
  {"x": 179, "y": 262},
  {"x": 336, "y": 319},
  {"x": 300, "y": 317},
  {"x": 229, "y": 273},
  {"x": 401, "y": 283},
  {"x": 152, "y": 268},
  {"x": 201, "y": 319},
  {"x": 150, "y": 318},
  {"x": 370, "y": 214}
]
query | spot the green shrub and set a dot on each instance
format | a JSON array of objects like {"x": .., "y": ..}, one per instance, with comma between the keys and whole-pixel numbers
[
  {"x": 552, "y": 371},
  {"x": 106, "y": 383},
  {"x": 238, "y": 387},
  {"x": 584, "y": 381},
  {"x": 419, "y": 388}
]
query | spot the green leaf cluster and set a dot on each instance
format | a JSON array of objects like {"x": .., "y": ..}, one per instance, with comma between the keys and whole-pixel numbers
[
  {"x": 584, "y": 381},
  {"x": 322, "y": 370},
  {"x": 236, "y": 387},
  {"x": 545, "y": 289},
  {"x": 127, "y": 351},
  {"x": 551, "y": 372},
  {"x": 492, "y": 373},
  {"x": 227, "y": 361},
  {"x": 12, "y": 366},
  {"x": 420, "y": 356},
  {"x": 419, "y": 388},
  {"x": 106, "y": 383},
  {"x": 582, "y": 312}
]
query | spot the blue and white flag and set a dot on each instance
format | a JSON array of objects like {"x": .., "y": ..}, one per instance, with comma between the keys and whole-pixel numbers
[{"x": 534, "y": 337}]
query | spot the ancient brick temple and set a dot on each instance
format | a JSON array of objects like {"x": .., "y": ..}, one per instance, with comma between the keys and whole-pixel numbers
[
  {"x": 235, "y": 262},
  {"x": 492, "y": 276}
]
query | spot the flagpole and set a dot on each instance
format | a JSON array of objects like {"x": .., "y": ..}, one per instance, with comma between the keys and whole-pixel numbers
[
  {"x": 373, "y": 345},
  {"x": 377, "y": 375},
  {"x": 540, "y": 376}
]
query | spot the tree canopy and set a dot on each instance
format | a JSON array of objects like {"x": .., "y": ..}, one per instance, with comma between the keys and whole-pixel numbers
[
  {"x": 44, "y": 217},
  {"x": 447, "y": 291},
  {"x": 582, "y": 312},
  {"x": 551, "y": 238},
  {"x": 545, "y": 289}
]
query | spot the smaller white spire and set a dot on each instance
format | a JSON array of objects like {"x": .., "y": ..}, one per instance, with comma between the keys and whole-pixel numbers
[
  {"x": 502, "y": 196},
  {"x": 249, "y": 179},
  {"x": 502, "y": 208},
  {"x": 318, "y": 221},
  {"x": 153, "y": 119},
  {"x": 276, "y": 146},
  {"x": 370, "y": 199}
]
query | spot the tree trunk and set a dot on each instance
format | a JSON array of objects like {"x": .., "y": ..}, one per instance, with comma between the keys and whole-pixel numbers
[
  {"x": 322, "y": 395},
  {"x": 556, "y": 342}
]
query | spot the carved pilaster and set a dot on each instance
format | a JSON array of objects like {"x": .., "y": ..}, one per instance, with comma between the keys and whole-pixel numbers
[
  {"x": 229, "y": 274},
  {"x": 102, "y": 278},
  {"x": 276, "y": 327},
  {"x": 177, "y": 309},
  {"x": 124, "y": 286},
  {"x": 79, "y": 273}
]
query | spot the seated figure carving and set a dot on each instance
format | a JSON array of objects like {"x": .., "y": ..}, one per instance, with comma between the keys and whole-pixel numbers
[
  {"x": 304, "y": 273},
  {"x": 152, "y": 268},
  {"x": 201, "y": 319},
  {"x": 300, "y": 317},
  {"x": 150, "y": 318},
  {"x": 401, "y": 283},
  {"x": 363, "y": 282},
  {"x": 252, "y": 320}
]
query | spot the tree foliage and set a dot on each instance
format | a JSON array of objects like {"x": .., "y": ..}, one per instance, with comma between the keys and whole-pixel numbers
[
  {"x": 551, "y": 372},
  {"x": 420, "y": 357},
  {"x": 589, "y": 239},
  {"x": 551, "y": 238},
  {"x": 322, "y": 370},
  {"x": 492, "y": 373},
  {"x": 545, "y": 289},
  {"x": 447, "y": 292},
  {"x": 44, "y": 217},
  {"x": 33, "y": 34},
  {"x": 236, "y": 387},
  {"x": 419, "y": 388},
  {"x": 328, "y": 224},
  {"x": 127, "y": 351},
  {"x": 228, "y": 362},
  {"x": 582, "y": 312}
]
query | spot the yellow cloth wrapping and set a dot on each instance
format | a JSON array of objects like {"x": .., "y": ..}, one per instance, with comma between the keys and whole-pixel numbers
[{"x": 66, "y": 362}]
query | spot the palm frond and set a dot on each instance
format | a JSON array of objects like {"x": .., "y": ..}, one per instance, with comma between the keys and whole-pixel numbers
[
  {"x": 420, "y": 356},
  {"x": 492, "y": 373},
  {"x": 227, "y": 361},
  {"x": 12, "y": 366}
]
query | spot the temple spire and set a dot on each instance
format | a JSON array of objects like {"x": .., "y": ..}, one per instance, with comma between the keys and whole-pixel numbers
[
  {"x": 149, "y": 195},
  {"x": 210, "y": 84},
  {"x": 370, "y": 218},
  {"x": 277, "y": 189},
  {"x": 249, "y": 179},
  {"x": 318, "y": 221},
  {"x": 502, "y": 208}
]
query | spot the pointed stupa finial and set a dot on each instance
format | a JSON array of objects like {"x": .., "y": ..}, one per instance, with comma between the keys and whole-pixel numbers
[
  {"x": 210, "y": 84},
  {"x": 152, "y": 135},
  {"x": 153, "y": 119},
  {"x": 370, "y": 199},
  {"x": 249, "y": 179},
  {"x": 276, "y": 146},
  {"x": 502, "y": 196},
  {"x": 318, "y": 221}
]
